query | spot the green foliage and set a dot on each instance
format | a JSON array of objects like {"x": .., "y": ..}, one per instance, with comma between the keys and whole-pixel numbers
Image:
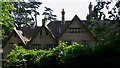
[
  {"x": 21, "y": 57},
  {"x": 5, "y": 16},
  {"x": 74, "y": 55},
  {"x": 48, "y": 15},
  {"x": 107, "y": 53},
  {"x": 104, "y": 24},
  {"x": 6, "y": 20},
  {"x": 25, "y": 13}
]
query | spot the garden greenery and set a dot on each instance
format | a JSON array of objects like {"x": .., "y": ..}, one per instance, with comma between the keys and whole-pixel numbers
[{"x": 74, "y": 55}]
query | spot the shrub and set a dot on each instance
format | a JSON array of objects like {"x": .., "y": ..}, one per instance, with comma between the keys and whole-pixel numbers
[{"x": 66, "y": 56}]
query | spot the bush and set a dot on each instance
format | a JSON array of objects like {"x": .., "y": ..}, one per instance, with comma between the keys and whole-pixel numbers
[{"x": 66, "y": 56}]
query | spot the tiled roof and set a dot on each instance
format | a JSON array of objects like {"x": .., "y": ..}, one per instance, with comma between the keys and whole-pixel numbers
[
  {"x": 55, "y": 28},
  {"x": 86, "y": 23},
  {"x": 27, "y": 33}
]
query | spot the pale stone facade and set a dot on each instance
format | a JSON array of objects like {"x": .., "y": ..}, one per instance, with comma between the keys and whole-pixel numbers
[
  {"x": 45, "y": 37},
  {"x": 79, "y": 37}
]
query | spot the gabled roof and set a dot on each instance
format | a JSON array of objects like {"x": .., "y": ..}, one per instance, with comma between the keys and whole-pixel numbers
[
  {"x": 49, "y": 31},
  {"x": 54, "y": 26},
  {"x": 55, "y": 29},
  {"x": 40, "y": 31},
  {"x": 10, "y": 35},
  {"x": 27, "y": 33}
]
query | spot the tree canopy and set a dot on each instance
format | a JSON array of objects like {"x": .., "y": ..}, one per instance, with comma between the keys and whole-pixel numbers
[
  {"x": 26, "y": 13},
  {"x": 6, "y": 20},
  {"x": 104, "y": 24},
  {"x": 48, "y": 15},
  {"x": 65, "y": 56}
]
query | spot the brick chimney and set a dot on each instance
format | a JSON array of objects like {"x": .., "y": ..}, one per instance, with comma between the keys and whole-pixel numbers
[
  {"x": 90, "y": 7},
  {"x": 63, "y": 16}
]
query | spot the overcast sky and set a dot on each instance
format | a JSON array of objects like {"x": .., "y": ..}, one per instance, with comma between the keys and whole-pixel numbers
[{"x": 71, "y": 7}]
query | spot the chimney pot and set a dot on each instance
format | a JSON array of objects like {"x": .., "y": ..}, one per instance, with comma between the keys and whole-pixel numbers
[
  {"x": 63, "y": 16},
  {"x": 90, "y": 7}
]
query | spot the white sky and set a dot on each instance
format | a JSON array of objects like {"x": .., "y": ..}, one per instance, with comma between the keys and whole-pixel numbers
[{"x": 71, "y": 7}]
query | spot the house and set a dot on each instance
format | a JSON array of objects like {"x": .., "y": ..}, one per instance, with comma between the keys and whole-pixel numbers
[{"x": 47, "y": 36}]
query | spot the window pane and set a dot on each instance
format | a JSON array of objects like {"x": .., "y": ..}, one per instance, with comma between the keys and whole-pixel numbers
[
  {"x": 76, "y": 30},
  {"x": 84, "y": 42},
  {"x": 35, "y": 46}
]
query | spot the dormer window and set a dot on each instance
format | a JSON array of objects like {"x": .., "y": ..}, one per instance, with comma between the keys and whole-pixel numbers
[{"x": 76, "y": 30}]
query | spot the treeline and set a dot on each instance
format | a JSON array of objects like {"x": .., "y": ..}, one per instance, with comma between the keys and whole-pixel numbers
[{"x": 67, "y": 56}]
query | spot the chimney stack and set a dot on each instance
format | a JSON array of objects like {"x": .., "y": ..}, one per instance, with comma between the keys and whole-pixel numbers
[
  {"x": 63, "y": 16},
  {"x": 90, "y": 7},
  {"x": 43, "y": 22}
]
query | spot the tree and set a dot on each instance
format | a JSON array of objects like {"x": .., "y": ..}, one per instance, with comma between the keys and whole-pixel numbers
[
  {"x": 101, "y": 25},
  {"x": 48, "y": 14},
  {"x": 26, "y": 13},
  {"x": 6, "y": 19}
]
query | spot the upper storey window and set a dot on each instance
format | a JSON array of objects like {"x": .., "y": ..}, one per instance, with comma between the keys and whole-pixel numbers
[
  {"x": 76, "y": 30},
  {"x": 85, "y": 42}
]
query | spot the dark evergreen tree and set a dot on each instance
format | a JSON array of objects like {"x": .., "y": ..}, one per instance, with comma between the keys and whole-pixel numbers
[
  {"x": 26, "y": 13},
  {"x": 48, "y": 14}
]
